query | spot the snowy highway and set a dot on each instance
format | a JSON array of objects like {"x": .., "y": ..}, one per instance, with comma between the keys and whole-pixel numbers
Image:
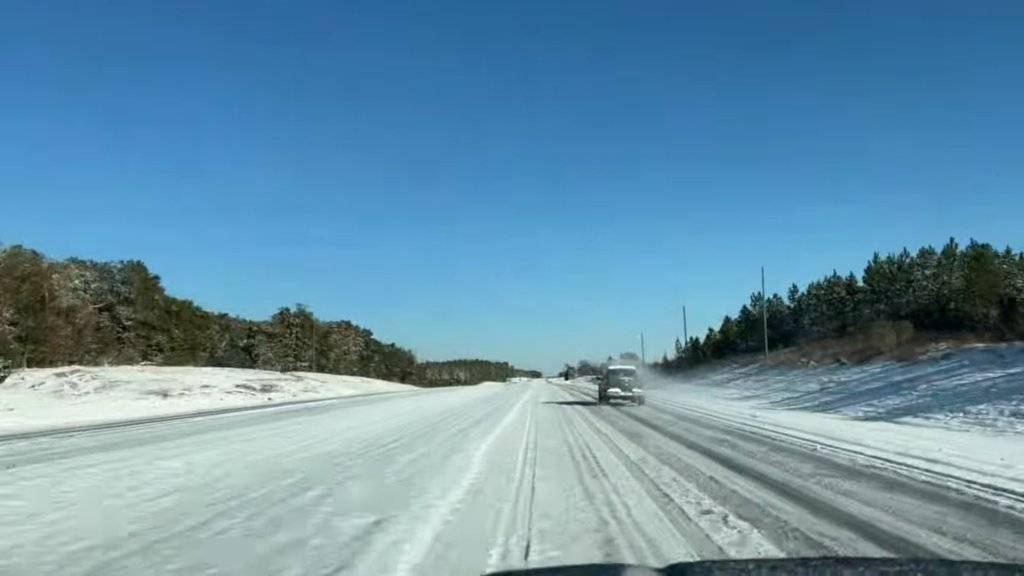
[{"x": 465, "y": 481}]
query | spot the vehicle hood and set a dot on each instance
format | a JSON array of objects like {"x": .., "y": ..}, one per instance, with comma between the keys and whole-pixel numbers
[{"x": 785, "y": 566}]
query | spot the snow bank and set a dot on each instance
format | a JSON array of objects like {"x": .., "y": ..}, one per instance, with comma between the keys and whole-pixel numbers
[
  {"x": 979, "y": 456},
  {"x": 44, "y": 398},
  {"x": 976, "y": 387},
  {"x": 956, "y": 414}
]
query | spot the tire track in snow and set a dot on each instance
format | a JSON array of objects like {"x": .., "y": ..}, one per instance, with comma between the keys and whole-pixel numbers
[
  {"x": 673, "y": 500},
  {"x": 853, "y": 517},
  {"x": 512, "y": 535},
  {"x": 773, "y": 522},
  {"x": 583, "y": 479},
  {"x": 175, "y": 489},
  {"x": 998, "y": 494},
  {"x": 624, "y": 518},
  {"x": 895, "y": 512},
  {"x": 444, "y": 429},
  {"x": 533, "y": 492},
  {"x": 529, "y": 507},
  {"x": 418, "y": 547}
]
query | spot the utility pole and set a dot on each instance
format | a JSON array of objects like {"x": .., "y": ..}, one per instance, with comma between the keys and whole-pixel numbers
[
  {"x": 686, "y": 337},
  {"x": 764, "y": 313},
  {"x": 643, "y": 350}
]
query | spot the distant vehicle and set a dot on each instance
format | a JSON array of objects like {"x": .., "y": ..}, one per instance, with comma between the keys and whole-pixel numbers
[{"x": 620, "y": 382}]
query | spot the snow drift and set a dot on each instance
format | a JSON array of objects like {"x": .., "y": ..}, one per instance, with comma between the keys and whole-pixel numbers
[
  {"x": 974, "y": 387},
  {"x": 43, "y": 398},
  {"x": 956, "y": 413}
]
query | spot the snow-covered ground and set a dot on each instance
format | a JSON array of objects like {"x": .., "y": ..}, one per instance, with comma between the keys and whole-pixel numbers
[
  {"x": 44, "y": 398},
  {"x": 956, "y": 416},
  {"x": 475, "y": 479},
  {"x": 971, "y": 388}
]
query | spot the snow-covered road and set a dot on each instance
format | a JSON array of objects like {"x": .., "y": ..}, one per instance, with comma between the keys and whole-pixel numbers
[{"x": 468, "y": 480}]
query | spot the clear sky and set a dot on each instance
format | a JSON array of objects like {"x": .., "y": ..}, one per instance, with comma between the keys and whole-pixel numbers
[{"x": 530, "y": 181}]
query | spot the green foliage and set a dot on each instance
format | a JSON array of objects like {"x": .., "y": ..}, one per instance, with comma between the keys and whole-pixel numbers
[
  {"x": 975, "y": 289},
  {"x": 520, "y": 373},
  {"x": 82, "y": 312},
  {"x": 462, "y": 372}
]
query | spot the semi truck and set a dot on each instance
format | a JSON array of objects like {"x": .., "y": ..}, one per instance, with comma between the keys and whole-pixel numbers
[{"x": 620, "y": 382}]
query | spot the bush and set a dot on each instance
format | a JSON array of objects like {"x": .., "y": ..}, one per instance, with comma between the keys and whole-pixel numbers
[{"x": 886, "y": 336}]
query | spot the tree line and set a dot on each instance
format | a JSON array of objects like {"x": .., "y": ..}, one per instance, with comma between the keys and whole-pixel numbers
[
  {"x": 56, "y": 313},
  {"x": 462, "y": 372},
  {"x": 974, "y": 289}
]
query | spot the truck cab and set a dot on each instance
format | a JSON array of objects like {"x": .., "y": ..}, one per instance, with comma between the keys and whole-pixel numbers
[{"x": 620, "y": 382}]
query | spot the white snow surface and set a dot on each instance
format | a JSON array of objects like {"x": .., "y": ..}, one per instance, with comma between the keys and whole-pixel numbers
[
  {"x": 44, "y": 398},
  {"x": 958, "y": 414},
  {"x": 978, "y": 387},
  {"x": 482, "y": 478},
  {"x": 438, "y": 481}
]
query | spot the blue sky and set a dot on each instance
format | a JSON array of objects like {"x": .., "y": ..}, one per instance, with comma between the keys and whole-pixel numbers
[{"x": 529, "y": 181}]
